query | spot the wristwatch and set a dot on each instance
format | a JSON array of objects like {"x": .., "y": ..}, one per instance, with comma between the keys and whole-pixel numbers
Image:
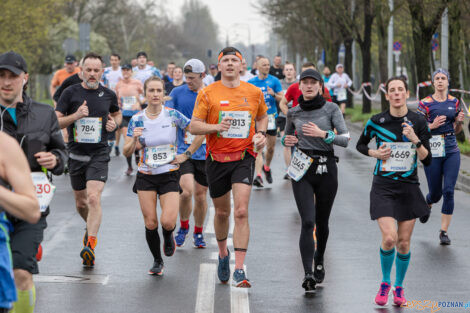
[
  {"x": 188, "y": 154},
  {"x": 262, "y": 132},
  {"x": 418, "y": 144}
]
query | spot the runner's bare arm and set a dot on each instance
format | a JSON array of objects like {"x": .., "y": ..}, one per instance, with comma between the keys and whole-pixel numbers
[
  {"x": 283, "y": 105},
  {"x": 279, "y": 96},
  {"x": 65, "y": 121},
  {"x": 14, "y": 168},
  {"x": 117, "y": 116},
  {"x": 200, "y": 127},
  {"x": 132, "y": 143},
  {"x": 262, "y": 122}
]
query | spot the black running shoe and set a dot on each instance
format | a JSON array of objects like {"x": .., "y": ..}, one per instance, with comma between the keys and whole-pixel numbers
[
  {"x": 169, "y": 246},
  {"x": 319, "y": 273},
  {"x": 157, "y": 268},
  {"x": 268, "y": 174},
  {"x": 445, "y": 240},
  {"x": 258, "y": 182},
  {"x": 309, "y": 283},
  {"x": 287, "y": 177}
]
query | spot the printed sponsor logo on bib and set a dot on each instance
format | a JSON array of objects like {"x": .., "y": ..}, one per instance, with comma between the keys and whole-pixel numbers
[
  {"x": 299, "y": 165},
  {"x": 128, "y": 103},
  {"x": 438, "y": 146},
  {"x": 342, "y": 95},
  {"x": 271, "y": 122},
  {"x": 189, "y": 138},
  {"x": 88, "y": 130},
  {"x": 401, "y": 158},
  {"x": 241, "y": 124},
  {"x": 44, "y": 189},
  {"x": 160, "y": 155}
]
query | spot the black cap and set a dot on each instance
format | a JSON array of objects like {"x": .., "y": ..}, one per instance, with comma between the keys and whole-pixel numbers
[
  {"x": 126, "y": 67},
  {"x": 312, "y": 74},
  {"x": 141, "y": 53},
  {"x": 70, "y": 59},
  {"x": 213, "y": 66},
  {"x": 13, "y": 62}
]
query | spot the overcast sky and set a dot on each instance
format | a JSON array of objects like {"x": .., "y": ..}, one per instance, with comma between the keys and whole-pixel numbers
[{"x": 239, "y": 18}]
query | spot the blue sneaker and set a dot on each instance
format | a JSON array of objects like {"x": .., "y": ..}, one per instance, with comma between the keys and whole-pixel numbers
[
  {"x": 239, "y": 279},
  {"x": 199, "y": 240},
  {"x": 181, "y": 236},
  {"x": 223, "y": 270}
]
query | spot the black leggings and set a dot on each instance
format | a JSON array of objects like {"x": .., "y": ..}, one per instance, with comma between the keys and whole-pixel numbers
[{"x": 324, "y": 188}]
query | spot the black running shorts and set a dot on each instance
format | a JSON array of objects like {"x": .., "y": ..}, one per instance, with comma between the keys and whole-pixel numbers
[
  {"x": 24, "y": 243},
  {"x": 401, "y": 200},
  {"x": 160, "y": 183},
  {"x": 221, "y": 176},
  {"x": 94, "y": 169},
  {"x": 197, "y": 168}
]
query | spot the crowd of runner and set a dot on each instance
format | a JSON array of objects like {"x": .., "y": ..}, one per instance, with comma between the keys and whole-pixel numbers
[{"x": 191, "y": 130}]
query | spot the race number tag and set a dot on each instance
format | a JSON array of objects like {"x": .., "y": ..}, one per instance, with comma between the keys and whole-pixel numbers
[
  {"x": 88, "y": 130},
  {"x": 241, "y": 124},
  {"x": 342, "y": 95},
  {"x": 128, "y": 103},
  {"x": 401, "y": 158},
  {"x": 189, "y": 138},
  {"x": 44, "y": 189},
  {"x": 438, "y": 146},
  {"x": 271, "y": 122},
  {"x": 299, "y": 164},
  {"x": 160, "y": 155}
]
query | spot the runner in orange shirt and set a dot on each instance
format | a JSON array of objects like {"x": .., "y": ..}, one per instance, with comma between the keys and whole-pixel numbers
[
  {"x": 232, "y": 115},
  {"x": 70, "y": 68}
]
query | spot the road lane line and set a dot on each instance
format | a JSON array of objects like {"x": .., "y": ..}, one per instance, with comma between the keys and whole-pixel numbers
[
  {"x": 206, "y": 288},
  {"x": 239, "y": 299}
]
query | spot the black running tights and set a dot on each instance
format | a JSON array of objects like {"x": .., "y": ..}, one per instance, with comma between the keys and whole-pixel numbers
[{"x": 315, "y": 211}]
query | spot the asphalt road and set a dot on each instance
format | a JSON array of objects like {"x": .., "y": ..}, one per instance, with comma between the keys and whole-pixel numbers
[{"x": 119, "y": 281}]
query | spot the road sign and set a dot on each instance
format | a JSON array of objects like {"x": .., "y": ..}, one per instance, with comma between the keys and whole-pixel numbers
[
  {"x": 70, "y": 46},
  {"x": 435, "y": 44},
  {"x": 397, "y": 46},
  {"x": 84, "y": 33}
]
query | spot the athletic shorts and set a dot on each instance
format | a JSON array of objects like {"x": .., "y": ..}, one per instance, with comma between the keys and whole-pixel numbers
[
  {"x": 272, "y": 132},
  {"x": 221, "y": 176},
  {"x": 95, "y": 169},
  {"x": 400, "y": 200},
  {"x": 197, "y": 168},
  {"x": 24, "y": 242},
  {"x": 335, "y": 100},
  {"x": 160, "y": 183},
  {"x": 281, "y": 122},
  {"x": 125, "y": 121}
]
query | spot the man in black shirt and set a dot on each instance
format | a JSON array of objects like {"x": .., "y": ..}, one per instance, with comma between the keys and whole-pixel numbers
[
  {"x": 277, "y": 69},
  {"x": 89, "y": 111}
]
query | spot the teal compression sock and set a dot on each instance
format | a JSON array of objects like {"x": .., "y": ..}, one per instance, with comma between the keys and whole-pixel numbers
[
  {"x": 386, "y": 260},
  {"x": 402, "y": 262}
]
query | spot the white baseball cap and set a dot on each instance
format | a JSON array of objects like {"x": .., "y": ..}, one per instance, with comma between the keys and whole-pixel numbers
[{"x": 194, "y": 66}]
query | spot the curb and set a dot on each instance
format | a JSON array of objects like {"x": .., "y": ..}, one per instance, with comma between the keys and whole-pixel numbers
[{"x": 463, "y": 180}]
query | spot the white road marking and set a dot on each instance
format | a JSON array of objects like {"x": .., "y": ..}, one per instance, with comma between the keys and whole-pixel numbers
[
  {"x": 215, "y": 256},
  {"x": 72, "y": 279},
  {"x": 206, "y": 288},
  {"x": 239, "y": 299}
]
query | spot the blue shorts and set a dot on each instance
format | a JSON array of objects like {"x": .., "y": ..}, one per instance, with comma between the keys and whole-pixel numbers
[{"x": 7, "y": 280}]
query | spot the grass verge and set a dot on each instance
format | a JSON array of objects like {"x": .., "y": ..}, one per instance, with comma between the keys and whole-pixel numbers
[{"x": 355, "y": 114}]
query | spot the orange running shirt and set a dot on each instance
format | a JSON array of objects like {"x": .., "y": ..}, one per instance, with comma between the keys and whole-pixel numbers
[
  {"x": 62, "y": 75},
  {"x": 216, "y": 98}
]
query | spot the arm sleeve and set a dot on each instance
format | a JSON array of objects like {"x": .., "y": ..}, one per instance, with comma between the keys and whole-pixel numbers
[
  {"x": 181, "y": 120},
  {"x": 201, "y": 107},
  {"x": 56, "y": 145},
  {"x": 331, "y": 83},
  {"x": 130, "y": 127},
  {"x": 290, "y": 128},
  {"x": 348, "y": 80},
  {"x": 342, "y": 138},
  {"x": 363, "y": 143},
  {"x": 326, "y": 94}
]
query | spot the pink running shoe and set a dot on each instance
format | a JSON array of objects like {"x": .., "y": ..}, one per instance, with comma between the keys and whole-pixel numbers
[
  {"x": 399, "y": 296},
  {"x": 382, "y": 296}
]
